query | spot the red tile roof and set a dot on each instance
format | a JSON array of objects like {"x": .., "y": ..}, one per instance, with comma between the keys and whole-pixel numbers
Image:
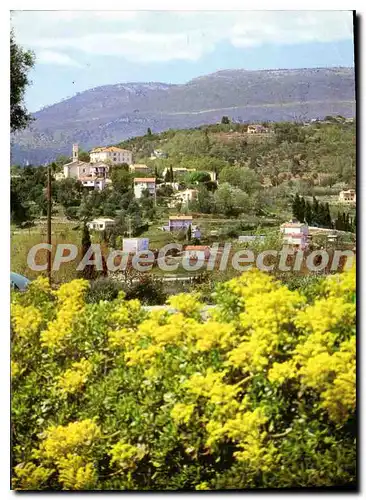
[{"x": 144, "y": 179}]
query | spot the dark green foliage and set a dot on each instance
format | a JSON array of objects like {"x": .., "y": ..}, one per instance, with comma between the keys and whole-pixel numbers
[
  {"x": 21, "y": 61},
  {"x": 189, "y": 233},
  {"x": 89, "y": 272},
  {"x": 19, "y": 212},
  {"x": 315, "y": 213},
  {"x": 103, "y": 289}
]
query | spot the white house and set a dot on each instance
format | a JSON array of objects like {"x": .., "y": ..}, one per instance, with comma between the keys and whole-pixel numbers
[
  {"x": 93, "y": 182},
  {"x": 348, "y": 196},
  {"x": 295, "y": 234},
  {"x": 197, "y": 252},
  {"x": 140, "y": 184},
  {"x": 100, "y": 224},
  {"x": 111, "y": 154}
]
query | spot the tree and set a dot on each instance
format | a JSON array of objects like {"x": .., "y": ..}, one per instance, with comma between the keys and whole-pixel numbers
[
  {"x": 21, "y": 61},
  {"x": 316, "y": 211},
  {"x": 308, "y": 213},
  {"x": 68, "y": 192},
  {"x": 121, "y": 178},
  {"x": 296, "y": 207},
  {"x": 84, "y": 156},
  {"x": 225, "y": 120},
  {"x": 241, "y": 177},
  {"x": 149, "y": 131},
  {"x": 189, "y": 233},
  {"x": 19, "y": 213},
  {"x": 89, "y": 272},
  {"x": 198, "y": 177}
]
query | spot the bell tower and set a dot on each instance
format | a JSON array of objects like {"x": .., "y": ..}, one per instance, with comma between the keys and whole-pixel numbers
[{"x": 75, "y": 152}]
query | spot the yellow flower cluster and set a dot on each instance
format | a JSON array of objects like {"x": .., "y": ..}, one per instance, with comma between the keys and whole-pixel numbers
[
  {"x": 70, "y": 304},
  {"x": 128, "y": 313},
  {"x": 75, "y": 378},
  {"x": 187, "y": 304},
  {"x": 264, "y": 323},
  {"x": 125, "y": 455},
  {"x": 246, "y": 430},
  {"x": 29, "y": 476},
  {"x": 59, "y": 441},
  {"x": 181, "y": 413},
  {"x": 75, "y": 474},
  {"x": 68, "y": 449},
  {"x": 211, "y": 387},
  {"x": 15, "y": 369},
  {"x": 26, "y": 320},
  {"x": 320, "y": 361}
]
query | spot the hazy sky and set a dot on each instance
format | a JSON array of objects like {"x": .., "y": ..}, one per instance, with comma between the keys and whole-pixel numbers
[{"x": 78, "y": 50}]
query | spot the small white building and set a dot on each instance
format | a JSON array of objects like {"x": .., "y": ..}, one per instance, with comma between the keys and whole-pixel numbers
[
  {"x": 111, "y": 154},
  {"x": 141, "y": 184},
  {"x": 134, "y": 245},
  {"x": 347, "y": 196},
  {"x": 93, "y": 183},
  {"x": 100, "y": 224},
  {"x": 197, "y": 252},
  {"x": 295, "y": 234}
]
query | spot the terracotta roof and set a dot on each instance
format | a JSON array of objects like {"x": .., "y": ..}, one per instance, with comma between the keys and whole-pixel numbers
[
  {"x": 78, "y": 163},
  {"x": 180, "y": 217},
  {"x": 197, "y": 247},
  {"x": 293, "y": 224},
  {"x": 144, "y": 179},
  {"x": 110, "y": 149}
]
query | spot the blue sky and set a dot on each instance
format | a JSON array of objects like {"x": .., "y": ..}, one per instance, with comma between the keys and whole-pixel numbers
[{"x": 78, "y": 50}]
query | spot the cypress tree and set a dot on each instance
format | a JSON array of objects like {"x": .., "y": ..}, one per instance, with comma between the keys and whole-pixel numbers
[
  {"x": 89, "y": 271},
  {"x": 189, "y": 233},
  {"x": 296, "y": 207},
  {"x": 302, "y": 210},
  {"x": 328, "y": 218},
  {"x": 308, "y": 213},
  {"x": 315, "y": 209}
]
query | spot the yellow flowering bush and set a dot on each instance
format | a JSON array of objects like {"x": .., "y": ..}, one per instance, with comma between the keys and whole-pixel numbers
[
  {"x": 74, "y": 378},
  {"x": 260, "y": 392}
]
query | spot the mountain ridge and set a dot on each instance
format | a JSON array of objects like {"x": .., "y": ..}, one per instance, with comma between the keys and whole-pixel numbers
[{"x": 110, "y": 113}]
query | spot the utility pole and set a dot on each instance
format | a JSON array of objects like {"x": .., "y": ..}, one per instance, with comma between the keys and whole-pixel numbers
[
  {"x": 129, "y": 227},
  {"x": 49, "y": 210}
]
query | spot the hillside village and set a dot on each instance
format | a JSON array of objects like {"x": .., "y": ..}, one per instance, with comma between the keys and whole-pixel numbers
[{"x": 216, "y": 183}]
